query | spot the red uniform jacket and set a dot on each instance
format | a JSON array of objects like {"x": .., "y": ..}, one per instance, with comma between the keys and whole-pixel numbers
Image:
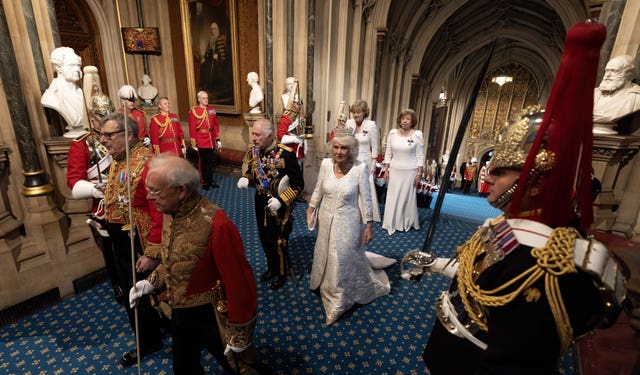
[
  {"x": 203, "y": 126},
  {"x": 138, "y": 115},
  {"x": 283, "y": 129},
  {"x": 166, "y": 133}
]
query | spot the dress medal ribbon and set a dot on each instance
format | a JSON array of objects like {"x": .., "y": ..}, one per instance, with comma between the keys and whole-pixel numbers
[
  {"x": 261, "y": 177},
  {"x": 500, "y": 240}
]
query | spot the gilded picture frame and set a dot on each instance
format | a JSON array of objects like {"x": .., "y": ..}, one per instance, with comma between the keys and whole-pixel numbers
[{"x": 210, "y": 32}]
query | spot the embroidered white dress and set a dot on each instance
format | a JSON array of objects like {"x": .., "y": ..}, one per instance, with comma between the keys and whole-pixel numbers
[
  {"x": 404, "y": 155},
  {"x": 368, "y": 141},
  {"x": 342, "y": 269}
]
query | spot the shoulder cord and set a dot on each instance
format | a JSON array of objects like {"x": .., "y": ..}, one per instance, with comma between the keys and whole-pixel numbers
[{"x": 553, "y": 260}]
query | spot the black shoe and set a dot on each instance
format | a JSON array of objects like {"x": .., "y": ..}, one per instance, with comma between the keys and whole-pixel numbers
[
  {"x": 277, "y": 283},
  {"x": 267, "y": 276},
  {"x": 130, "y": 358},
  {"x": 214, "y": 185}
]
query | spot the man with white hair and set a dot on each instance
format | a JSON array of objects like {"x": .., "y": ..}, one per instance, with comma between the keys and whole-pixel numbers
[{"x": 616, "y": 96}]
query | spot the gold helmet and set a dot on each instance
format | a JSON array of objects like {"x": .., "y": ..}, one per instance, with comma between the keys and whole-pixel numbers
[
  {"x": 101, "y": 105},
  {"x": 516, "y": 140}
]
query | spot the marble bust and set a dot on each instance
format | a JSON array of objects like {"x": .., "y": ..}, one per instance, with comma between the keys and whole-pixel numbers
[
  {"x": 147, "y": 92},
  {"x": 63, "y": 95},
  {"x": 616, "y": 96},
  {"x": 255, "y": 96},
  {"x": 288, "y": 91}
]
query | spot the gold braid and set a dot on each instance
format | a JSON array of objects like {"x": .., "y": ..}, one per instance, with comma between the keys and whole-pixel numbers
[{"x": 553, "y": 260}]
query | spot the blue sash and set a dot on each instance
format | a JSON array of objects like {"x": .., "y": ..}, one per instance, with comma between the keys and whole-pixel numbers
[{"x": 260, "y": 175}]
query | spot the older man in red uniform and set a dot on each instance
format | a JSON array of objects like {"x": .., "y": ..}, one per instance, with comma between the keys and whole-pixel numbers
[
  {"x": 203, "y": 269},
  {"x": 129, "y": 176},
  {"x": 203, "y": 128}
]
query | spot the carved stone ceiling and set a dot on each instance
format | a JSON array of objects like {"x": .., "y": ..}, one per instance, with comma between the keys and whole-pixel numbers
[{"x": 433, "y": 37}]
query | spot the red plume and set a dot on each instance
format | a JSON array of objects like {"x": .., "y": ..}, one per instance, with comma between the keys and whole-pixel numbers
[{"x": 566, "y": 129}]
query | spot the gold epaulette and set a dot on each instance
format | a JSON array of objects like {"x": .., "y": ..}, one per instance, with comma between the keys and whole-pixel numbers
[
  {"x": 285, "y": 147},
  {"x": 82, "y": 137}
]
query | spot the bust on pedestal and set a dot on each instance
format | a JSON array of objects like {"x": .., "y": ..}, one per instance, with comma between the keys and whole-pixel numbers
[
  {"x": 617, "y": 96},
  {"x": 255, "y": 96},
  {"x": 147, "y": 92},
  {"x": 63, "y": 95}
]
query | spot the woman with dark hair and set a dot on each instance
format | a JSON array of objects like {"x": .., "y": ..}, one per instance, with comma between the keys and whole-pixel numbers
[
  {"x": 403, "y": 161},
  {"x": 342, "y": 269}
]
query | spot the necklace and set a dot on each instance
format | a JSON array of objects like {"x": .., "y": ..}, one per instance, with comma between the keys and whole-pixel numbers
[{"x": 342, "y": 170}]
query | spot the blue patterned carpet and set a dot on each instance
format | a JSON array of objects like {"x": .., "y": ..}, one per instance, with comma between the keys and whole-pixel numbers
[{"x": 87, "y": 333}]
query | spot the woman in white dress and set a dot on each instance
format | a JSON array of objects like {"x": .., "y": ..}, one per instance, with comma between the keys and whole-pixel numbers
[
  {"x": 403, "y": 168},
  {"x": 342, "y": 269},
  {"x": 366, "y": 132}
]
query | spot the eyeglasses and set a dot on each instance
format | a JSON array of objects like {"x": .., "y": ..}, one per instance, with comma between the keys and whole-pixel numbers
[
  {"x": 155, "y": 193},
  {"x": 109, "y": 135}
]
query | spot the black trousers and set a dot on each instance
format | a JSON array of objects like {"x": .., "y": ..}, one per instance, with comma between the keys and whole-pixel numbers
[
  {"x": 195, "y": 328},
  {"x": 274, "y": 237},
  {"x": 207, "y": 164},
  {"x": 104, "y": 244},
  {"x": 148, "y": 317}
]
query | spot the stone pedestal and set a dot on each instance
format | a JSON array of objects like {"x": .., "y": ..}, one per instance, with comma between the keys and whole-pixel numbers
[
  {"x": 250, "y": 118},
  {"x": 610, "y": 154}
]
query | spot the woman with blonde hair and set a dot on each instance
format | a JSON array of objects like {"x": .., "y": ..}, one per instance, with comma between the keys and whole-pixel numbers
[
  {"x": 366, "y": 132},
  {"x": 342, "y": 270}
]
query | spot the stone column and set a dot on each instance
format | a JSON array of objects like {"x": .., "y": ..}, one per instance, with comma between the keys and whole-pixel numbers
[
  {"x": 380, "y": 38},
  {"x": 35, "y": 179},
  {"x": 268, "y": 51}
]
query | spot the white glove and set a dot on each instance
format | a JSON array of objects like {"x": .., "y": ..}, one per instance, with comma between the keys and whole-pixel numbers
[
  {"x": 84, "y": 189},
  {"x": 274, "y": 204},
  {"x": 146, "y": 141},
  {"x": 234, "y": 349},
  {"x": 184, "y": 151},
  {"x": 243, "y": 183},
  {"x": 142, "y": 288},
  {"x": 195, "y": 147},
  {"x": 288, "y": 139},
  {"x": 218, "y": 144},
  {"x": 444, "y": 266}
]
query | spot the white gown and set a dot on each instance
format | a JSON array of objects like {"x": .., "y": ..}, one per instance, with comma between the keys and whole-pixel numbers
[
  {"x": 404, "y": 155},
  {"x": 342, "y": 269},
  {"x": 368, "y": 141}
]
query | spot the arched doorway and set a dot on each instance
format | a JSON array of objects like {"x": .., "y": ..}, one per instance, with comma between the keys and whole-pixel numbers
[{"x": 78, "y": 29}]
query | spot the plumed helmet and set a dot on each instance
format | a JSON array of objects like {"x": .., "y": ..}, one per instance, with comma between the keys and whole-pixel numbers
[
  {"x": 127, "y": 92},
  {"x": 101, "y": 105},
  {"x": 516, "y": 139}
]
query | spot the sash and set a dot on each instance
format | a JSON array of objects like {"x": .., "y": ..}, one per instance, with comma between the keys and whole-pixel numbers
[{"x": 261, "y": 177}]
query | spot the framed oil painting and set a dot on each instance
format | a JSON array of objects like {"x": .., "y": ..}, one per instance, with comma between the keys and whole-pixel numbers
[{"x": 210, "y": 31}]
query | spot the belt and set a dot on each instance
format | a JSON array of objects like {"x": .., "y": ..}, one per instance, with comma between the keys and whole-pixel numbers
[
  {"x": 167, "y": 140},
  {"x": 205, "y": 130},
  {"x": 588, "y": 254},
  {"x": 449, "y": 319}
]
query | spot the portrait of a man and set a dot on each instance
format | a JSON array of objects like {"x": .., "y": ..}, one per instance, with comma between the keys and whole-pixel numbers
[{"x": 211, "y": 35}]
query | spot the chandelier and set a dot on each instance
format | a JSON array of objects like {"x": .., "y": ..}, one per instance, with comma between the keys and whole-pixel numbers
[{"x": 501, "y": 80}]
